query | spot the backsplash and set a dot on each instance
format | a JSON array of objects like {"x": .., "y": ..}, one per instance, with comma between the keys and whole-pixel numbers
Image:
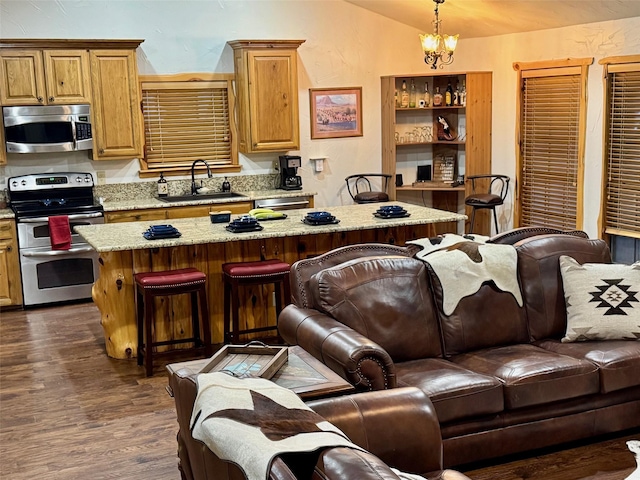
[{"x": 138, "y": 190}]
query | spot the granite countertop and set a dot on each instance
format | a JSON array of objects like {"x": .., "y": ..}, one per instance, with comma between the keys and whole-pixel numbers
[
  {"x": 6, "y": 213},
  {"x": 154, "y": 202},
  {"x": 128, "y": 236}
]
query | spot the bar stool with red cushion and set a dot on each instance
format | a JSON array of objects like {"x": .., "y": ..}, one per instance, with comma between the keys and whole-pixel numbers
[
  {"x": 251, "y": 273},
  {"x": 166, "y": 283}
]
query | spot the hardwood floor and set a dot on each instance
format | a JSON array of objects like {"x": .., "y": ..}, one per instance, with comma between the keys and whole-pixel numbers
[
  {"x": 67, "y": 411},
  {"x": 608, "y": 459}
]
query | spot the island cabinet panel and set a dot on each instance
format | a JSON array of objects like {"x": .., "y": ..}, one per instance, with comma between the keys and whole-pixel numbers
[
  {"x": 150, "y": 214},
  {"x": 114, "y": 290}
]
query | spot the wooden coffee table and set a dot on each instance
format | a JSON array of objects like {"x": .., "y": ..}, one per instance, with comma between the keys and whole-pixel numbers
[{"x": 302, "y": 373}]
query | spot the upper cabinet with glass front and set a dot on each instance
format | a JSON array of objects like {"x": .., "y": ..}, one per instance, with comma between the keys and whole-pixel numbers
[{"x": 267, "y": 90}]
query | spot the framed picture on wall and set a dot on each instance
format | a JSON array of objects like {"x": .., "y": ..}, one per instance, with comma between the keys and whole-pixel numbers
[{"x": 336, "y": 112}]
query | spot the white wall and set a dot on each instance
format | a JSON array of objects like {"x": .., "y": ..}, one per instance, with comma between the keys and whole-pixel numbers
[{"x": 345, "y": 46}]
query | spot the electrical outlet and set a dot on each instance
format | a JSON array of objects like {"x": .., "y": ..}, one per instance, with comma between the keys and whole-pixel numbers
[
  {"x": 276, "y": 166},
  {"x": 101, "y": 176}
]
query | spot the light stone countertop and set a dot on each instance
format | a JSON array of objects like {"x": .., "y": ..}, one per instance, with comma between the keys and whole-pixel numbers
[
  {"x": 128, "y": 236},
  {"x": 6, "y": 214},
  {"x": 153, "y": 202}
]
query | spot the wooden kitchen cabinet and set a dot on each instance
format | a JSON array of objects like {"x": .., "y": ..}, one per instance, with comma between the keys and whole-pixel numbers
[
  {"x": 117, "y": 119},
  {"x": 10, "y": 282},
  {"x": 3, "y": 149},
  {"x": 267, "y": 89},
  {"x": 44, "y": 77},
  {"x": 409, "y": 140},
  {"x": 149, "y": 214}
]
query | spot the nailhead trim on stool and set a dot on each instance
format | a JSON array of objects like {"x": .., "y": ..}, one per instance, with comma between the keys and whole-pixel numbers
[
  {"x": 166, "y": 283},
  {"x": 251, "y": 273}
]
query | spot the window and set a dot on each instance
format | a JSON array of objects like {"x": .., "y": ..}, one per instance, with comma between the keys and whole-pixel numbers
[
  {"x": 621, "y": 181},
  {"x": 550, "y": 131},
  {"x": 188, "y": 117}
]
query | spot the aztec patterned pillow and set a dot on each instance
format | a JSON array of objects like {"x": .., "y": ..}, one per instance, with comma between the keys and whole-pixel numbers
[{"x": 603, "y": 300}]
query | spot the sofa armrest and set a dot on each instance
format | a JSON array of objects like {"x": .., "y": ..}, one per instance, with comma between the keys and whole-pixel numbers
[
  {"x": 354, "y": 357},
  {"x": 399, "y": 426},
  {"x": 342, "y": 463}
]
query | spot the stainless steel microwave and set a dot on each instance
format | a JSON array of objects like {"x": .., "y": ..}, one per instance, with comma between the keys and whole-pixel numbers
[{"x": 51, "y": 128}]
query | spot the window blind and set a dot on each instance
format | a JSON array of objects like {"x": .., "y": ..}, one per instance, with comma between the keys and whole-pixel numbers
[
  {"x": 186, "y": 120},
  {"x": 550, "y": 136},
  {"x": 622, "y": 191}
]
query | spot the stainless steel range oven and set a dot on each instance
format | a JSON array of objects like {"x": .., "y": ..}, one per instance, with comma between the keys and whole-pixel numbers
[{"x": 52, "y": 275}]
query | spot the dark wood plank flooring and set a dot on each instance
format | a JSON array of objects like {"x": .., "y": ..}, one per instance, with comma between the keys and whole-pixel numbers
[{"x": 67, "y": 411}]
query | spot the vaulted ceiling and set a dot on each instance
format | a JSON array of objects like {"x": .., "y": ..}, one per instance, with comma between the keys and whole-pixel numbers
[{"x": 484, "y": 18}]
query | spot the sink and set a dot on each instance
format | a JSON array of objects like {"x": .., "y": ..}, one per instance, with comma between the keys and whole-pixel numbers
[{"x": 202, "y": 196}]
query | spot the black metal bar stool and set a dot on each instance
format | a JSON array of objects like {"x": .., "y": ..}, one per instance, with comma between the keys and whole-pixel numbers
[
  {"x": 251, "y": 273},
  {"x": 166, "y": 283}
]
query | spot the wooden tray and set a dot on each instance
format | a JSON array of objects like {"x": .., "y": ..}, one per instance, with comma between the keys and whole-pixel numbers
[{"x": 254, "y": 359}]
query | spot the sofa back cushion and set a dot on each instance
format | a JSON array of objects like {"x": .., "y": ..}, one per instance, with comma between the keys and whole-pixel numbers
[
  {"x": 541, "y": 280},
  {"x": 385, "y": 299},
  {"x": 303, "y": 270},
  {"x": 488, "y": 318}
]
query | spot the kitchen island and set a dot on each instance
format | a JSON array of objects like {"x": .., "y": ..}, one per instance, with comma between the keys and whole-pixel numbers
[{"x": 123, "y": 252}]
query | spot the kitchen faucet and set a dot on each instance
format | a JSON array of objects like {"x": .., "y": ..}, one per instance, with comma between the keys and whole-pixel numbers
[{"x": 194, "y": 188}]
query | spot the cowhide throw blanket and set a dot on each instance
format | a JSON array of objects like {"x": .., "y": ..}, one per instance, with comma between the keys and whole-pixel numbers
[
  {"x": 463, "y": 264},
  {"x": 248, "y": 421}
]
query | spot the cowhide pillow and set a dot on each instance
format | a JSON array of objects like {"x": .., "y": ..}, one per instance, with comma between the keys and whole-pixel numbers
[{"x": 603, "y": 300}]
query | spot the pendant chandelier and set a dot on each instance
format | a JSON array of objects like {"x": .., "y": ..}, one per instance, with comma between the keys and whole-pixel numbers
[{"x": 438, "y": 48}]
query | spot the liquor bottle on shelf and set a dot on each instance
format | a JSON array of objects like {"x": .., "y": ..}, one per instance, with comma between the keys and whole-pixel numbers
[
  {"x": 437, "y": 98},
  {"x": 448, "y": 95},
  {"x": 412, "y": 95},
  {"x": 463, "y": 95},
  {"x": 396, "y": 99},
  {"x": 427, "y": 95},
  {"x": 404, "y": 95},
  {"x": 456, "y": 96}
]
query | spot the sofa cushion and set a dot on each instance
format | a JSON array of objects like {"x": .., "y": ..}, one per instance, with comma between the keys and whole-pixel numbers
[
  {"x": 385, "y": 299},
  {"x": 491, "y": 316},
  {"x": 618, "y": 361},
  {"x": 532, "y": 375},
  {"x": 603, "y": 300},
  {"x": 455, "y": 392},
  {"x": 541, "y": 282}
]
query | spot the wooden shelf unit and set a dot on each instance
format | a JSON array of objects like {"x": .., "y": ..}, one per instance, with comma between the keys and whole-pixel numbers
[{"x": 471, "y": 147}]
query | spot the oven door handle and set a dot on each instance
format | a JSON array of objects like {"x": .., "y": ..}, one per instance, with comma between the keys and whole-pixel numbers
[
  {"x": 80, "y": 216},
  {"x": 56, "y": 253}
]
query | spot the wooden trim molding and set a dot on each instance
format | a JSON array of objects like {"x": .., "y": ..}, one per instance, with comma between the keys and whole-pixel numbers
[
  {"x": 567, "y": 62},
  {"x": 64, "y": 43}
]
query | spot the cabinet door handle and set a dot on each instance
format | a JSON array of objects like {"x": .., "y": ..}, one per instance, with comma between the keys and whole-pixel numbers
[
  {"x": 9, "y": 248},
  {"x": 52, "y": 99},
  {"x": 40, "y": 99},
  {"x": 101, "y": 151}
]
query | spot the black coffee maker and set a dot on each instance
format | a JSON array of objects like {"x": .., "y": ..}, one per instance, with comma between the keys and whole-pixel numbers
[{"x": 289, "y": 180}]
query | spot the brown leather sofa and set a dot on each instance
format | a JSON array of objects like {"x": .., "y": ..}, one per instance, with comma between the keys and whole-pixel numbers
[
  {"x": 499, "y": 378},
  {"x": 398, "y": 426}
]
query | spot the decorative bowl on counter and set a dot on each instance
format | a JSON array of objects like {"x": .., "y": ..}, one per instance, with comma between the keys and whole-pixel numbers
[{"x": 222, "y": 216}]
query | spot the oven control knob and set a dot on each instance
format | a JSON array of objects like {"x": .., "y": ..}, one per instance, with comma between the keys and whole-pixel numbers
[
  {"x": 87, "y": 180},
  {"x": 23, "y": 183}
]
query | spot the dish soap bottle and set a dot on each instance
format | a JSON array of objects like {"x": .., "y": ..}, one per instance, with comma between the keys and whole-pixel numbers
[
  {"x": 226, "y": 186},
  {"x": 163, "y": 186}
]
